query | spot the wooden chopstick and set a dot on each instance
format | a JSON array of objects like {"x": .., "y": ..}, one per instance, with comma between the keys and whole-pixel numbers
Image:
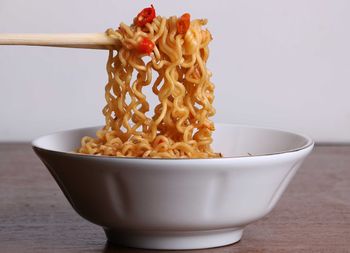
[{"x": 73, "y": 40}]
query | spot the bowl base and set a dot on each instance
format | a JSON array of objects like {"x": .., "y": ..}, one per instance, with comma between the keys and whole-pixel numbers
[{"x": 175, "y": 240}]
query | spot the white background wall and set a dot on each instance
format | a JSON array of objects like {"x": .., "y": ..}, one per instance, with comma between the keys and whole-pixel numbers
[{"x": 281, "y": 64}]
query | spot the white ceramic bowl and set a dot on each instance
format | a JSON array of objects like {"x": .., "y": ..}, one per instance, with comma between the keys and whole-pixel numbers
[{"x": 177, "y": 203}]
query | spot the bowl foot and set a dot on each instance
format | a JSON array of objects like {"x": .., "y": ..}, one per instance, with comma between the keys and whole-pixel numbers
[{"x": 175, "y": 240}]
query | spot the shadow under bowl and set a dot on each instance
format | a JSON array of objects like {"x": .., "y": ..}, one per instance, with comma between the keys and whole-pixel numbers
[{"x": 177, "y": 203}]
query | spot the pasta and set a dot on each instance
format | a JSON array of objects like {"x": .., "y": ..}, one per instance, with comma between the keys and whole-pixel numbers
[{"x": 171, "y": 52}]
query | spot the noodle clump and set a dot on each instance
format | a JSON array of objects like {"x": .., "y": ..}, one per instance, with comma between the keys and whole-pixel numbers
[{"x": 173, "y": 52}]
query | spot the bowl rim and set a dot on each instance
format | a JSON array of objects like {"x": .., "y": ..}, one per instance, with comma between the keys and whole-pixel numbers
[{"x": 309, "y": 144}]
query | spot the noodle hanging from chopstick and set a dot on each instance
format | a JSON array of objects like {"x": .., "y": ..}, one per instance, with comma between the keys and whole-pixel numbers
[{"x": 180, "y": 126}]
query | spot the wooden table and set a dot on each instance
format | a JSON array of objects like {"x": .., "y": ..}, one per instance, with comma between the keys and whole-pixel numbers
[{"x": 312, "y": 216}]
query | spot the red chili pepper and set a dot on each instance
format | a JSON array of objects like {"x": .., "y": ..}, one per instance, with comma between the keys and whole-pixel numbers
[
  {"x": 146, "y": 46},
  {"x": 145, "y": 16},
  {"x": 183, "y": 23}
]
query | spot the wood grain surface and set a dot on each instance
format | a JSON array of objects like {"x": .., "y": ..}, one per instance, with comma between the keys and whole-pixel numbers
[{"x": 312, "y": 216}]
